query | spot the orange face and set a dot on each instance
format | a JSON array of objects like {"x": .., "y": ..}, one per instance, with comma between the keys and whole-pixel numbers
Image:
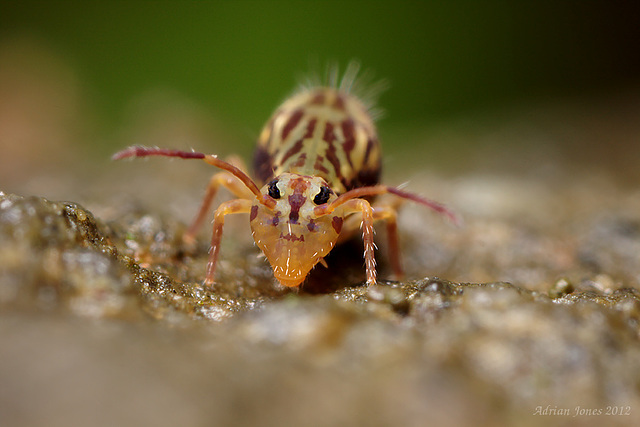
[{"x": 293, "y": 238}]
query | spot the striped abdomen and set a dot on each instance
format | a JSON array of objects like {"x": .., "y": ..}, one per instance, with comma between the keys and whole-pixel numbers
[{"x": 321, "y": 132}]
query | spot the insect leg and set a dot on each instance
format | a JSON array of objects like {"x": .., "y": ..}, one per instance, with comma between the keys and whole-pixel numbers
[
  {"x": 362, "y": 206},
  {"x": 226, "y": 208},
  {"x": 226, "y": 180},
  {"x": 385, "y": 213},
  {"x": 390, "y": 216}
]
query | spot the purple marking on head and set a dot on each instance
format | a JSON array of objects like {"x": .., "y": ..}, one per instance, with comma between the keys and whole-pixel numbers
[
  {"x": 292, "y": 238},
  {"x": 311, "y": 225},
  {"x": 296, "y": 200},
  {"x": 336, "y": 222},
  {"x": 254, "y": 213}
]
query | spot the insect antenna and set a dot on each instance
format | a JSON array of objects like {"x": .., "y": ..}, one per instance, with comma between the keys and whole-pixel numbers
[
  {"x": 438, "y": 207},
  {"x": 140, "y": 151},
  {"x": 383, "y": 189}
]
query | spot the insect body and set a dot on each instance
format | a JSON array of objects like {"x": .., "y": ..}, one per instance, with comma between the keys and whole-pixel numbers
[{"x": 318, "y": 161}]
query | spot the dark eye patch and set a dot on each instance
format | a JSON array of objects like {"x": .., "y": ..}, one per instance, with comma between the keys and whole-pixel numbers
[
  {"x": 323, "y": 196},
  {"x": 273, "y": 189}
]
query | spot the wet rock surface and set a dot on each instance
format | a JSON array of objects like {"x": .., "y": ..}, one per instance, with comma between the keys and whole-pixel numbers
[{"x": 104, "y": 320}]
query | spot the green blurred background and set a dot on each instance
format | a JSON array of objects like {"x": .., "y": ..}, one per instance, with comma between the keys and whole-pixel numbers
[{"x": 238, "y": 59}]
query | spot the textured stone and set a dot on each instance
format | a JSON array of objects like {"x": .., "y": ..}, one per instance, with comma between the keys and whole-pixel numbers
[{"x": 160, "y": 348}]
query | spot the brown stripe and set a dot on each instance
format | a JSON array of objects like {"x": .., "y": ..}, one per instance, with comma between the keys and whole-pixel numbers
[
  {"x": 293, "y": 150},
  {"x": 291, "y": 123},
  {"x": 371, "y": 143},
  {"x": 330, "y": 138},
  {"x": 311, "y": 126},
  {"x": 349, "y": 138},
  {"x": 318, "y": 99},
  {"x": 370, "y": 173},
  {"x": 329, "y": 134},
  {"x": 300, "y": 161},
  {"x": 339, "y": 103},
  {"x": 319, "y": 166},
  {"x": 262, "y": 164}
]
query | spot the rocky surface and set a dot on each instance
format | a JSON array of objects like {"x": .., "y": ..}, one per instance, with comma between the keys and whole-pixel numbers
[
  {"x": 104, "y": 321},
  {"x": 528, "y": 314}
]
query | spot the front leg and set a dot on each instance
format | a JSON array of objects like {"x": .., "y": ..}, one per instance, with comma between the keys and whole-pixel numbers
[
  {"x": 220, "y": 179},
  {"x": 231, "y": 207},
  {"x": 362, "y": 206},
  {"x": 390, "y": 216}
]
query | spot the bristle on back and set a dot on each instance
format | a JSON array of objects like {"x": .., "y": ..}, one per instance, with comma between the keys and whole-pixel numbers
[{"x": 361, "y": 84}]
